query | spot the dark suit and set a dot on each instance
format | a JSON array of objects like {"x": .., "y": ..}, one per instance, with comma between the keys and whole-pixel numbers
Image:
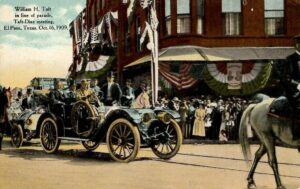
[
  {"x": 292, "y": 66},
  {"x": 115, "y": 94},
  {"x": 290, "y": 79},
  {"x": 28, "y": 103},
  {"x": 57, "y": 96}
]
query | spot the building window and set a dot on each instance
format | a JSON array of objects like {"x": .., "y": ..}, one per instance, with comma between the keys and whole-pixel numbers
[
  {"x": 231, "y": 12},
  {"x": 200, "y": 15},
  {"x": 183, "y": 16},
  {"x": 168, "y": 17},
  {"x": 274, "y": 17},
  {"x": 127, "y": 40}
]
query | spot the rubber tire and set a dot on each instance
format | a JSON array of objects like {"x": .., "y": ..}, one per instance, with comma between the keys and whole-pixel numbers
[
  {"x": 136, "y": 135},
  {"x": 90, "y": 148},
  {"x": 57, "y": 140},
  {"x": 17, "y": 128},
  {"x": 177, "y": 147}
]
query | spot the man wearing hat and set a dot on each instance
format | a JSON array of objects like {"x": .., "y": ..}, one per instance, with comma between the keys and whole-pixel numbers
[
  {"x": 291, "y": 77},
  {"x": 28, "y": 102},
  {"x": 84, "y": 93},
  {"x": 57, "y": 95},
  {"x": 70, "y": 93},
  {"x": 174, "y": 104},
  {"x": 111, "y": 91}
]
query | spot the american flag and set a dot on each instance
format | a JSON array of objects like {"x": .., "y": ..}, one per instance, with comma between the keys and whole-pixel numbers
[{"x": 181, "y": 79}]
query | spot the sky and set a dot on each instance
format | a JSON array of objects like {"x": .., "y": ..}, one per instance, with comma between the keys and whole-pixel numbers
[{"x": 27, "y": 54}]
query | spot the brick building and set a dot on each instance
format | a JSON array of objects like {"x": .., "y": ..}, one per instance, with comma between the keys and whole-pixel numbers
[{"x": 228, "y": 45}]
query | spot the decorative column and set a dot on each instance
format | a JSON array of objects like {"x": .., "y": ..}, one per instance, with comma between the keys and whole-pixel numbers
[{"x": 151, "y": 31}]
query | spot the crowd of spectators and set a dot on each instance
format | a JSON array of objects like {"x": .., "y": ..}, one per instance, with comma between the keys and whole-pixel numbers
[{"x": 208, "y": 118}]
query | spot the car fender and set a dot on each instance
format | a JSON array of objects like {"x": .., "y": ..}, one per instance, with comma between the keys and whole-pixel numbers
[
  {"x": 175, "y": 115},
  {"x": 31, "y": 122},
  {"x": 115, "y": 113}
]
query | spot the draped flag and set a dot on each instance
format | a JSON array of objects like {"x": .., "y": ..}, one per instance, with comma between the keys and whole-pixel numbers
[
  {"x": 181, "y": 78},
  {"x": 94, "y": 35}
]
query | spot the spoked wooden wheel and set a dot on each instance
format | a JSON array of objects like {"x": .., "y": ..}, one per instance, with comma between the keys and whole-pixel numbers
[
  {"x": 16, "y": 135},
  {"x": 169, "y": 141},
  {"x": 90, "y": 145},
  {"x": 123, "y": 140},
  {"x": 49, "y": 136}
]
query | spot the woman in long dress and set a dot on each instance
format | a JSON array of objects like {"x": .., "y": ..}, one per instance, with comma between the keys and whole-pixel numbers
[{"x": 199, "y": 128}]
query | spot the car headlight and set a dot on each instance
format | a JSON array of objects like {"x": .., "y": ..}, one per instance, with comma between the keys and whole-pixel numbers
[
  {"x": 164, "y": 117},
  {"x": 28, "y": 121},
  {"x": 146, "y": 118}
]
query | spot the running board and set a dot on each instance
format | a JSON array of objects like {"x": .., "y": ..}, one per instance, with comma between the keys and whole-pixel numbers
[{"x": 73, "y": 139}]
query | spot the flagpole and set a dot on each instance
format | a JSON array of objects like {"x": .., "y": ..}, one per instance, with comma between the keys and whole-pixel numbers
[
  {"x": 151, "y": 30},
  {"x": 155, "y": 53}
]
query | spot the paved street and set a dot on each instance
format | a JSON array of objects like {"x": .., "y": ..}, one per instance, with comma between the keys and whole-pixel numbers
[{"x": 196, "y": 166}]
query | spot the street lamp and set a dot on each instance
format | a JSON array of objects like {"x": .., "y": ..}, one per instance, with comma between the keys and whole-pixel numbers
[{"x": 151, "y": 31}]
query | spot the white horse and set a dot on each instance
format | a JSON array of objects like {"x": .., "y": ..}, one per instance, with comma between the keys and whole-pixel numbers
[{"x": 268, "y": 130}]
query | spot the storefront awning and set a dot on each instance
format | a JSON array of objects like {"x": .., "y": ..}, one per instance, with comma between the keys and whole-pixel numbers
[
  {"x": 246, "y": 53},
  {"x": 181, "y": 53},
  {"x": 195, "y": 53}
]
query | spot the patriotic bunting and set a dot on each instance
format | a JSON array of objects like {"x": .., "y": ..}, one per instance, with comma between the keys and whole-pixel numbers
[
  {"x": 254, "y": 76},
  {"x": 181, "y": 79}
]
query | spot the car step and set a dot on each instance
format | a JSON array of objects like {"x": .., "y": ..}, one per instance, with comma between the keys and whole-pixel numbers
[{"x": 73, "y": 139}]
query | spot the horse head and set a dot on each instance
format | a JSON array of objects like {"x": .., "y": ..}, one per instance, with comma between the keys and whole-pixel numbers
[{"x": 6, "y": 97}]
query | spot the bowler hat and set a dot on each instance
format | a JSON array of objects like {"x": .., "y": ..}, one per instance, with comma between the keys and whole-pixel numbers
[
  {"x": 110, "y": 74},
  {"x": 29, "y": 90}
]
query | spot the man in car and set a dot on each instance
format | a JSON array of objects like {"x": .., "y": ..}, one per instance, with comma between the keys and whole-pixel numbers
[
  {"x": 28, "y": 102},
  {"x": 57, "y": 95},
  {"x": 111, "y": 91},
  {"x": 85, "y": 92},
  {"x": 128, "y": 94}
]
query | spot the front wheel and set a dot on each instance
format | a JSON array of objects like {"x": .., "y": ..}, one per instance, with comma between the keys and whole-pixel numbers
[
  {"x": 123, "y": 140},
  {"x": 17, "y": 135},
  {"x": 49, "y": 136},
  {"x": 90, "y": 145},
  {"x": 169, "y": 141}
]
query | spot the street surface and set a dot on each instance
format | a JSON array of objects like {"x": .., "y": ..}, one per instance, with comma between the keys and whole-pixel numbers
[{"x": 214, "y": 166}]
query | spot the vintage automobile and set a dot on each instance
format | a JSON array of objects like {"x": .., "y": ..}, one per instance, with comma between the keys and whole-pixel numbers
[
  {"x": 24, "y": 122},
  {"x": 125, "y": 130},
  {"x": 24, "y": 125}
]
